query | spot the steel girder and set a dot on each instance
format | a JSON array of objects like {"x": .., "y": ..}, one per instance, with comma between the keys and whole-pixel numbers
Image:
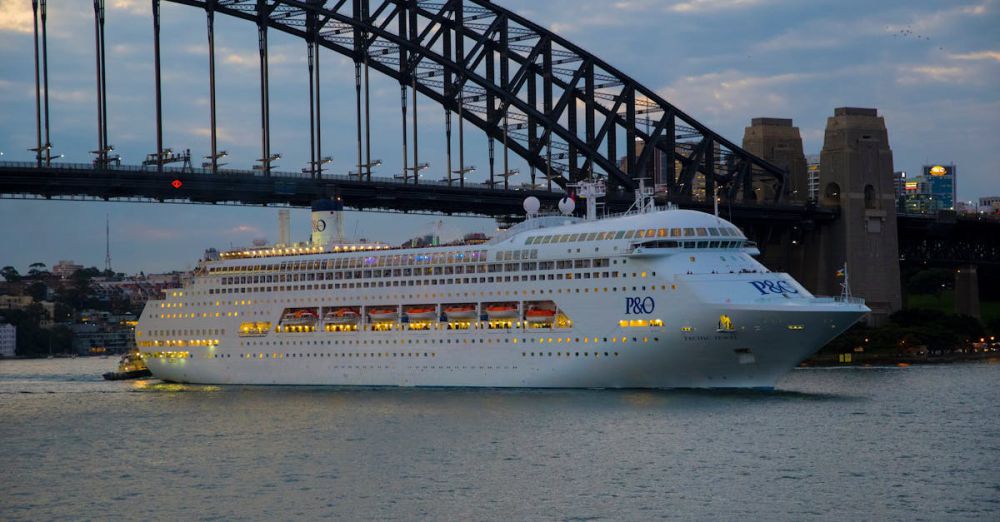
[{"x": 517, "y": 80}]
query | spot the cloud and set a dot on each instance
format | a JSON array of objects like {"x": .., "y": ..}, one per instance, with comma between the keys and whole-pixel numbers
[
  {"x": 702, "y": 6},
  {"x": 245, "y": 230},
  {"x": 733, "y": 93},
  {"x": 936, "y": 73},
  {"x": 135, "y": 7},
  {"x": 977, "y": 55},
  {"x": 16, "y": 16},
  {"x": 252, "y": 59}
]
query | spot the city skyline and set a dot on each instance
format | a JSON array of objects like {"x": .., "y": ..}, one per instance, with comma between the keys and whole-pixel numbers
[{"x": 930, "y": 70}]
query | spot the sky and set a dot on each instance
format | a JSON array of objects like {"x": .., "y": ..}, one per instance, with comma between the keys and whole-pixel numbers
[{"x": 931, "y": 67}]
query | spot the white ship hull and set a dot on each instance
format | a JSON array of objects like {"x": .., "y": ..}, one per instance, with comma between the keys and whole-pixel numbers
[{"x": 648, "y": 318}]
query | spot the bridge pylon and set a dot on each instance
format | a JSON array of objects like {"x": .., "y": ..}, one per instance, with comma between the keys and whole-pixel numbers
[{"x": 856, "y": 177}]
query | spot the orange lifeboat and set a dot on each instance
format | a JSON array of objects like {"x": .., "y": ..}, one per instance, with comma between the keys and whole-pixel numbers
[
  {"x": 501, "y": 311},
  {"x": 421, "y": 313},
  {"x": 540, "y": 314},
  {"x": 342, "y": 316},
  {"x": 381, "y": 315},
  {"x": 300, "y": 317},
  {"x": 458, "y": 312}
]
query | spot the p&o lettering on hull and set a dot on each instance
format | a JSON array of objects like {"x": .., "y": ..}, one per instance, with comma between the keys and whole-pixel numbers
[
  {"x": 639, "y": 305},
  {"x": 774, "y": 287}
]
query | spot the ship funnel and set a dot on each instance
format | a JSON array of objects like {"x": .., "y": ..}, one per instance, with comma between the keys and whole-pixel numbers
[
  {"x": 284, "y": 230},
  {"x": 327, "y": 222}
]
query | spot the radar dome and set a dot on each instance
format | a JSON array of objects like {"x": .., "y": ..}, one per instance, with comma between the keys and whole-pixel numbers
[
  {"x": 531, "y": 205},
  {"x": 567, "y": 205}
]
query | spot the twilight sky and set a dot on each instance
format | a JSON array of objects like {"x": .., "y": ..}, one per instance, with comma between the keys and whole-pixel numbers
[{"x": 932, "y": 68}]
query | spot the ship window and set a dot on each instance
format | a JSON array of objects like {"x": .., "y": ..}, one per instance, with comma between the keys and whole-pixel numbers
[
  {"x": 702, "y": 232},
  {"x": 591, "y": 236},
  {"x": 713, "y": 244},
  {"x": 629, "y": 234},
  {"x": 703, "y": 244},
  {"x": 688, "y": 232},
  {"x": 689, "y": 244},
  {"x": 661, "y": 233},
  {"x": 713, "y": 231}
]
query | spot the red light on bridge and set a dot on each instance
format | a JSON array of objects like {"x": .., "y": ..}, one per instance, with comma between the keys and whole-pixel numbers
[{"x": 176, "y": 183}]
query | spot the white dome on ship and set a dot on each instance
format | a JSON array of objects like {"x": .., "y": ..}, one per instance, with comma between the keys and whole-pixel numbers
[
  {"x": 567, "y": 205},
  {"x": 532, "y": 204}
]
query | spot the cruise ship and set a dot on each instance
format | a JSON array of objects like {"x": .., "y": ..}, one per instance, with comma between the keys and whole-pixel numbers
[{"x": 651, "y": 298}]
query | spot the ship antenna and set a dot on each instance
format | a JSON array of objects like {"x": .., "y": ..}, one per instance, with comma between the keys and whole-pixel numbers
[{"x": 846, "y": 285}]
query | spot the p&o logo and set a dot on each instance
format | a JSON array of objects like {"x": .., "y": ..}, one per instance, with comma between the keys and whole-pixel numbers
[
  {"x": 774, "y": 287},
  {"x": 639, "y": 305}
]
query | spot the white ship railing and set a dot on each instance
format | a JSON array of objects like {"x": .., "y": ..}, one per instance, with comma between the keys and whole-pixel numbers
[{"x": 535, "y": 223}]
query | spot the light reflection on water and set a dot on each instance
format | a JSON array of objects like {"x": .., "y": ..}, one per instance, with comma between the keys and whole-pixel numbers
[{"x": 872, "y": 443}]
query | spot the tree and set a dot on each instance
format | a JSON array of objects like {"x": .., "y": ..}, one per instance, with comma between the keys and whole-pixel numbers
[
  {"x": 10, "y": 274},
  {"x": 931, "y": 281},
  {"x": 36, "y": 269},
  {"x": 38, "y": 290}
]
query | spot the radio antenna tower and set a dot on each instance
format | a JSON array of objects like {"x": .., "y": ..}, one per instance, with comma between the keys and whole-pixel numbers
[{"x": 107, "y": 243}]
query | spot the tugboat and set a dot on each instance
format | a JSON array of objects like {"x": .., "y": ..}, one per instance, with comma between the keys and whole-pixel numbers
[{"x": 131, "y": 366}]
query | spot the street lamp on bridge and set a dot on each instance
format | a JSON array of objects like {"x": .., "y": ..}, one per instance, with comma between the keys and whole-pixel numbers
[
  {"x": 365, "y": 168},
  {"x": 461, "y": 175},
  {"x": 416, "y": 172},
  {"x": 265, "y": 164},
  {"x": 316, "y": 167},
  {"x": 213, "y": 162}
]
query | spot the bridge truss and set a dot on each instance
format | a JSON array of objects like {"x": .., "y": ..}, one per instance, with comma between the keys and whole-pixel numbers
[{"x": 568, "y": 114}]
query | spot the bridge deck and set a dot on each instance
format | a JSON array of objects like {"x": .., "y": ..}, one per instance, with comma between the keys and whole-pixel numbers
[{"x": 300, "y": 190}]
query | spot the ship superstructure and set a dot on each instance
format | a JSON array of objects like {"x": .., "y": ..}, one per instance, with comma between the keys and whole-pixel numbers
[{"x": 653, "y": 298}]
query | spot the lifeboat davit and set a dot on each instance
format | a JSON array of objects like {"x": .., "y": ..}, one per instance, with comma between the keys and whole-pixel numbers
[
  {"x": 421, "y": 313},
  {"x": 381, "y": 315},
  {"x": 342, "y": 316},
  {"x": 457, "y": 312},
  {"x": 501, "y": 311}
]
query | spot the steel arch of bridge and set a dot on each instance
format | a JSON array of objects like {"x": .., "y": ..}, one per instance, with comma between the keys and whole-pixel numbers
[{"x": 521, "y": 84}]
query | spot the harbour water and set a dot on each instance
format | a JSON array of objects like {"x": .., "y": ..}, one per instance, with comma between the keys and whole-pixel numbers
[{"x": 917, "y": 443}]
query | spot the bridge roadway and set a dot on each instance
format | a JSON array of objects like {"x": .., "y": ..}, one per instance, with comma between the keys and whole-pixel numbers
[{"x": 236, "y": 187}]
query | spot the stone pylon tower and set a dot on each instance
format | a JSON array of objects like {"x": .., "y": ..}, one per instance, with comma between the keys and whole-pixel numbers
[
  {"x": 856, "y": 176},
  {"x": 777, "y": 141}
]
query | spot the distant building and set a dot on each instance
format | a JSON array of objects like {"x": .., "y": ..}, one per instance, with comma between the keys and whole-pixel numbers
[
  {"x": 899, "y": 180},
  {"x": 8, "y": 340},
  {"x": 94, "y": 339},
  {"x": 15, "y": 302},
  {"x": 989, "y": 204},
  {"x": 65, "y": 268},
  {"x": 933, "y": 191},
  {"x": 23, "y": 302},
  {"x": 812, "y": 174}
]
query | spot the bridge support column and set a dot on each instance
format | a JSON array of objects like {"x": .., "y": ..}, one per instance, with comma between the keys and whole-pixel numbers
[
  {"x": 856, "y": 177},
  {"x": 778, "y": 141},
  {"x": 210, "y": 20},
  {"x": 967, "y": 292},
  {"x": 156, "y": 73},
  {"x": 45, "y": 83},
  {"x": 38, "y": 90}
]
